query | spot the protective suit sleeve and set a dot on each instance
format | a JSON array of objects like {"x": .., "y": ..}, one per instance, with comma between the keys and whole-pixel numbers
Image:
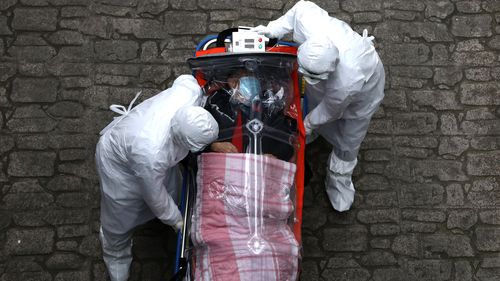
[
  {"x": 333, "y": 105},
  {"x": 150, "y": 169},
  {"x": 283, "y": 25},
  {"x": 302, "y": 16}
]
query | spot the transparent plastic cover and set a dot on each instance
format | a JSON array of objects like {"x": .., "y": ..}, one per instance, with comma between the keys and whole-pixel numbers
[{"x": 245, "y": 193}]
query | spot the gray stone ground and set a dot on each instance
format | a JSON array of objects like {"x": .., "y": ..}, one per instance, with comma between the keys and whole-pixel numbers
[{"x": 427, "y": 206}]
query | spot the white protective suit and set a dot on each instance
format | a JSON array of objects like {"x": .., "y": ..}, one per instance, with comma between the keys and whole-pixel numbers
[
  {"x": 341, "y": 106},
  {"x": 136, "y": 158}
]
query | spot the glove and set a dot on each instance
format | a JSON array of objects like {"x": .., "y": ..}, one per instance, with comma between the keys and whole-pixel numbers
[
  {"x": 307, "y": 126},
  {"x": 178, "y": 225},
  {"x": 263, "y": 30}
]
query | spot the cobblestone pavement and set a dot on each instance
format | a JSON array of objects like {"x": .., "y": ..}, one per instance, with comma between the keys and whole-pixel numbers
[{"x": 427, "y": 206}]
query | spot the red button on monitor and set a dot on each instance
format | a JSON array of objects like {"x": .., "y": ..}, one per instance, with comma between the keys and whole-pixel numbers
[{"x": 260, "y": 39}]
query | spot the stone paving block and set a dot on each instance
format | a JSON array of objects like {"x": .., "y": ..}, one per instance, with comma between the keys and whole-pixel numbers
[
  {"x": 23, "y": 263},
  {"x": 311, "y": 246},
  {"x": 490, "y": 217},
  {"x": 66, "y": 216},
  {"x": 480, "y": 93},
  {"x": 395, "y": 98},
  {"x": 415, "y": 123},
  {"x": 445, "y": 170},
  {"x": 440, "y": 100},
  {"x": 439, "y": 9},
  {"x": 478, "y": 74},
  {"x": 310, "y": 271},
  {"x": 463, "y": 271},
  {"x": 420, "y": 194},
  {"x": 471, "y": 25},
  {"x": 34, "y": 90},
  {"x": 7, "y": 70},
  {"x": 485, "y": 143},
  {"x": 223, "y": 15},
  {"x": 35, "y": 69},
  {"x": 185, "y": 23},
  {"x": 95, "y": 25},
  {"x": 392, "y": 274},
  {"x": 490, "y": 262},
  {"x": 37, "y": 275},
  {"x": 480, "y": 127},
  {"x": 406, "y": 54},
  {"x": 263, "y": 4},
  {"x": 155, "y": 74},
  {"x": 469, "y": 45},
  {"x": 73, "y": 200},
  {"x": 378, "y": 216},
  {"x": 140, "y": 28},
  {"x": 367, "y": 17},
  {"x": 154, "y": 7},
  {"x": 453, "y": 245},
  {"x": 454, "y": 146},
  {"x": 73, "y": 275},
  {"x": 473, "y": 59},
  {"x": 6, "y": 143},
  {"x": 67, "y": 246},
  {"x": 480, "y": 114},
  {"x": 35, "y": 142},
  {"x": 26, "y": 201},
  {"x": 462, "y": 219},
  {"x": 35, "y": 19},
  {"x": 468, "y": 6},
  {"x": 314, "y": 218},
  {"x": 255, "y": 13},
  {"x": 74, "y": 11},
  {"x": 430, "y": 270},
  {"x": 4, "y": 28},
  {"x": 4, "y": 5},
  {"x": 90, "y": 246},
  {"x": 116, "y": 50},
  {"x": 381, "y": 199},
  {"x": 407, "y": 245},
  {"x": 31, "y": 163},
  {"x": 491, "y": 6},
  {"x": 424, "y": 215},
  {"x": 30, "y": 242},
  {"x": 488, "y": 239},
  {"x": 380, "y": 243},
  {"x": 351, "y": 238},
  {"x": 485, "y": 184},
  {"x": 149, "y": 51},
  {"x": 384, "y": 229},
  {"x": 378, "y": 258},
  {"x": 64, "y": 261},
  {"x": 361, "y": 5},
  {"x": 66, "y": 37},
  {"x": 417, "y": 227},
  {"x": 484, "y": 163},
  {"x": 345, "y": 274}
]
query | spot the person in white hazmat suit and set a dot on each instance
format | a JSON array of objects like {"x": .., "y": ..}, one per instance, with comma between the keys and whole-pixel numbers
[
  {"x": 345, "y": 86},
  {"x": 136, "y": 159}
]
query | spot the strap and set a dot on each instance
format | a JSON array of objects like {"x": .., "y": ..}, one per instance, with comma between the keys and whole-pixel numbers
[
  {"x": 120, "y": 109},
  {"x": 365, "y": 35}
]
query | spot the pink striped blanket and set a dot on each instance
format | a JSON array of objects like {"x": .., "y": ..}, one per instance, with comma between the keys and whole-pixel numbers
[{"x": 239, "y": 224}]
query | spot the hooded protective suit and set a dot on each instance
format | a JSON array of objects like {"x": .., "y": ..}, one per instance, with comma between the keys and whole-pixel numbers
[
  {"x": 346, "y": 86},
  {"x": 136, "y": 158}
]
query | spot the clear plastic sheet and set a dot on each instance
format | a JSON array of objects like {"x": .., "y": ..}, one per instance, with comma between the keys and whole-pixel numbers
[{"x": 243, "y": 215}]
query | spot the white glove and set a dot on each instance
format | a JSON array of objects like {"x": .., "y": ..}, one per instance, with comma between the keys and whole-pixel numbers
[
  {"x": 178, "y": 225},
  {"x": 307, "y": 125},
  {"x": 262, "y": 30}
]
